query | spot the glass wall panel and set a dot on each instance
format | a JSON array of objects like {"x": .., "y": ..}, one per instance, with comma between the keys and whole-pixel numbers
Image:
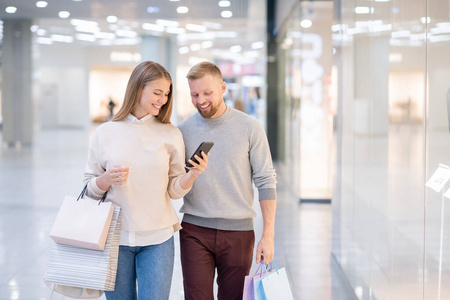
[
  {"x": 437, "y": 207},
  {"x": 306, "y": 120},
  {"x": 391, "y": 234}
]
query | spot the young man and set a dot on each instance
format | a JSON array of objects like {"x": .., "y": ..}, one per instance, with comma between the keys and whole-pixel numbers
[{"x": 218, "y": 211}]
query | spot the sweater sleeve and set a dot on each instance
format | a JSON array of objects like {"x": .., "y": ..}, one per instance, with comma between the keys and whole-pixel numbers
[
  {"x": 176, "y": 168},
  {"x": 93, "y": 169},
  {"x": 264, "y": 175}
]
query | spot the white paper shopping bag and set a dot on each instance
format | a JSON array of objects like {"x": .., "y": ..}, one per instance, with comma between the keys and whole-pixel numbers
[
  {"x": 276, "y": 286},
  {"x": 82, "y": 223}
]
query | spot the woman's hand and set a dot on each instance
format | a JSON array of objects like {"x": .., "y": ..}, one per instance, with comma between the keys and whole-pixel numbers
[
  {"x": 200, "y": 167},
  {"x": 117, "y": 175}
]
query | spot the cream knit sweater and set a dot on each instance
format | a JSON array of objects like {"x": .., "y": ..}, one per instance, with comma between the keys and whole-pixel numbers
[{"x": 155, "y": 154}]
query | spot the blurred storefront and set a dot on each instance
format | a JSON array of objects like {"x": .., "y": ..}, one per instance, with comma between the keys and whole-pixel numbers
[{"x": 364, "y": 117}]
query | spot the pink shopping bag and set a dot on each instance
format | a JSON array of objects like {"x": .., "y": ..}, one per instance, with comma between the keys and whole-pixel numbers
[{"x": 249, "y": 282}]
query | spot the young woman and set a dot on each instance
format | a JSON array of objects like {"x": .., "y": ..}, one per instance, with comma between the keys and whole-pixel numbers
[{"x": 138, "y": 157}]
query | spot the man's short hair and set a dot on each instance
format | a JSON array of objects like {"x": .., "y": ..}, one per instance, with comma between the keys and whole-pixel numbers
[{"x": 202, "y": 69}]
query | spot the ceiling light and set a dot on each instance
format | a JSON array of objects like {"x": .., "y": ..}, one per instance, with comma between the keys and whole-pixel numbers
[
  {"x": 126, "y": 33},
  {"x": 363, "y": 10},
  {"x": 174, "y": 0},
  {"x": 176, "y": 30},
  {"x": 306, "y": 23},
  {"x": 194, "y": 27},
  {"x": 41, "y": 4},
  {"x": 195, "y": 47},
  {"x": 235, "y": 49},
  {"x": 213, "y": 25},
  {"x": 61, "y": 38},
  {"x": 167, "y": 23},
  {"x": 153, "y": 9},
  {"x": 224, "y": 3},
  {"x": 111, "y": 19},
  {"x": 183, "y": 50},
  {"x": 257, "y": 45},
  {"x": 182, "y": 9},
  {"x": 91, "y": 29},
  {"x": 226, "y": 14},
  {"x": 11, "y": 9},
  {"x": 154, "y": 27},
  {"x": 34, "y": 28},
  {"x": 207, "y": 44},
  {"x": 85, "y": 37},
  {"x": 78, "y": 22},
  {"x": 45, "y": 41},
  {"x": 64, "y": 14},
  {"x": 425, "y": 20},
  {"x": 41, "y": 32},
  {"x": 105, "y": 35}
]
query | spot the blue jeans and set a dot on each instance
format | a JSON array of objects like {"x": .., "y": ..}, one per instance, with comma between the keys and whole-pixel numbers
[{"x": 150, "y": 266}]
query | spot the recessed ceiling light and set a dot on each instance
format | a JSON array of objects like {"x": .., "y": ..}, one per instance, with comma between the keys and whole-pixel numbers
[
  {"x": 41, "y": 32},
  {"x": 41, "y": 4},
  {"x": 226, "y": 14},
  {"x": 11, "y": 9},
  {"x": 235, "y": 49},
  {"x": 207, "y": 44},
  {"x": 195, "y": 27},
  {"x": 183, "y": 50},
  {"x": 213, "y": 25},
  {"x": 257, "y": 45},
  {"x": 182, "y": 9},
  {"x": 34, "y": 28},
  {"x": 363, "y": 10},
  {"x": 64, "y": 14},
  {"x": 61, "y": 38},
  {"x": 306, "y": 23},
  {"x": 153, "y": 9},
  {"x": 154, "y": 27},
  {"x": 224, "y": 3},
  {"x": 175, "y": 30},
  {"x": 111, "y": 19}
]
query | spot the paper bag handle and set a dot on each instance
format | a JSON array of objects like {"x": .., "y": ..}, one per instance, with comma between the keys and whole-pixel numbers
[{"x": 83, "y": 192}]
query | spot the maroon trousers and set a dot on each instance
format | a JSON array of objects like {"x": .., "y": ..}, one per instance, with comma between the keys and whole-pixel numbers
[{"x": 205, "y": 249}]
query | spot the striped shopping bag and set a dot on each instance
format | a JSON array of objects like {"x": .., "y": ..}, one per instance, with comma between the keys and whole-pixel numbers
[{"x": 85, "y": 273}]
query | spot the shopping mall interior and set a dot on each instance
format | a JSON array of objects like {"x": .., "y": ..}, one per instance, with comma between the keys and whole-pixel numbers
[{"x": 353, "y": 95}]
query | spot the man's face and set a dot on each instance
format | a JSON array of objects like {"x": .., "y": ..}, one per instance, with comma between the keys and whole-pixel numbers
[{"x": 207, "y": 96}]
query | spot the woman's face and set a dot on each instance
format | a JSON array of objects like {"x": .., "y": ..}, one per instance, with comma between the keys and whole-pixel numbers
[{"x": 154, "y": 96}]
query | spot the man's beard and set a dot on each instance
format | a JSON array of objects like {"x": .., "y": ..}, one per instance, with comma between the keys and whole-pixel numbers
[{"x": 208, "y": 114}]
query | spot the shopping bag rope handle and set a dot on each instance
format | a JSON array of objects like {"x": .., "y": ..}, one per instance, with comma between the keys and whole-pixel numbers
[
  {"x": 83, "y": 192},
  {"x": 271, "y": 267}
]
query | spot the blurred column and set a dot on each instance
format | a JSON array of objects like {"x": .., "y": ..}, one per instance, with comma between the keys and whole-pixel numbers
[
  {"x": 17, "y": 104},
  {"x": 162, "y": 50}
]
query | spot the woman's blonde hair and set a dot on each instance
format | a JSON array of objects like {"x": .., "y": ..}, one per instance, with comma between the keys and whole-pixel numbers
[{"x": 145, "y": 72}]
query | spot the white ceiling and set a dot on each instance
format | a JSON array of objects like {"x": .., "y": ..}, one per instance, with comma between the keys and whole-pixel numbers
[{"x": 248, "y": 23}]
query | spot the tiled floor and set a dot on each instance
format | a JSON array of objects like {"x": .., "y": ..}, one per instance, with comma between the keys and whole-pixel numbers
[{"x": 34, "y": 180}]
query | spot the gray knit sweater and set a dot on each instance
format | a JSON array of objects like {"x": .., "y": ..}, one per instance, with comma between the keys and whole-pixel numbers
[{"x": 222, "y": 197}]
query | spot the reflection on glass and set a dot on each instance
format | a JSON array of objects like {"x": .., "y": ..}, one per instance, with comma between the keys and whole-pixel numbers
[{"x": 393, "y": 67}]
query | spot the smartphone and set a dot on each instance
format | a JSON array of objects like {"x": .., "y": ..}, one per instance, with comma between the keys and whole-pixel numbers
[{"x": 203, "y": 147}]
